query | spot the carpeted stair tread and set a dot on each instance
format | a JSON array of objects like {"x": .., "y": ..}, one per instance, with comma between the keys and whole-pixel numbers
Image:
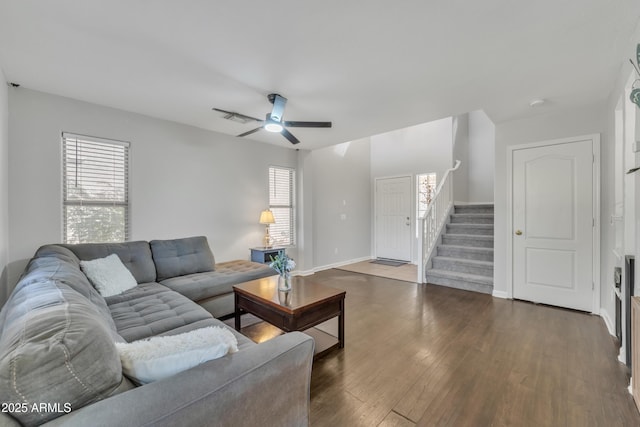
[
  {"x": 470, "y": 225},
  {"x": 475, "y": 229},
  {"x": 475, "y": 278},
  {"x": 465, "y": 252},
  {"x": 464, "y": 281},
  {"x": 465, "y": 261},
  {"x": 467, "y": 248},
  {"x": 468, "y": 240},
  {"x": 473, "y": 209},
  {"x": 477, "y": 205},
  {"x": 472, "y": 219},
  {"x": 463, "y": 265},
  {"x": 474, "y": 214},
  {"x": 471, "y": 236}
]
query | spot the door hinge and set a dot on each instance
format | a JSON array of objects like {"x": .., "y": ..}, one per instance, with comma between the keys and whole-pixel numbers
[
  {"x": 593, "y": 158},
  {"x": 593, "y": 222},
  {"x": 593, "y": 286}
]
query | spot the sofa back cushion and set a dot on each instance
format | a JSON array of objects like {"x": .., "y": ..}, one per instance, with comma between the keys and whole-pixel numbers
[
  {"x": 53, "y": 262},
  {"x": 55, "y": 348},
  {"x": 136, "y": 256},
  {"x": 178, "y": 257}
]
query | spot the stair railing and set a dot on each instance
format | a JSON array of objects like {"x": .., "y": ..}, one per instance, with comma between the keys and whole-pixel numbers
[{"x": 435, "y": 217}]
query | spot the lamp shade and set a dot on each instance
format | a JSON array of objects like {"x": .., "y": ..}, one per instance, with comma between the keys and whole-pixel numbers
[{"x": 266, "y": 217}]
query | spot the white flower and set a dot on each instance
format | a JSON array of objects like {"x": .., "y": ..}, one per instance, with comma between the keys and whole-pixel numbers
[{"x": 282, "y": 263}]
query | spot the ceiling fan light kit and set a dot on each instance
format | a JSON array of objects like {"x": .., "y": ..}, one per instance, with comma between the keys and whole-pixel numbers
[
  {"x": 272, "y": 125},
  {"x": 273, "y": 121}
]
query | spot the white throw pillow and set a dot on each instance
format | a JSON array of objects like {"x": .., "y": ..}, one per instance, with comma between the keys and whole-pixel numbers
[
  {"x": 108, "y": 275},
  {"x": 157, "y": 358}
]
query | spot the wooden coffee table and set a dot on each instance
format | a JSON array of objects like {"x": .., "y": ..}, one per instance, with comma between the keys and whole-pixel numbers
[{"x": 307, "y": 305}]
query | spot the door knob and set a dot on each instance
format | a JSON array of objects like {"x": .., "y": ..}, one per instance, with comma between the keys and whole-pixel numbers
[{"x": 518, "y": 233}]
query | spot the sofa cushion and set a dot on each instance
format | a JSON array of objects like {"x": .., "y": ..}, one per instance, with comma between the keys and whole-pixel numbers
[
  {"x": 108, "y": 275},
  {"x": 152, "y": 309},
  {"x": 209, "y": 284},
  {"x": 136, "y": 256},
  {"x": 179, "y": 257},
  {"x": 160, "y": 357},
  {"x": 60, "y": 264},
  {"x": 50, "y": 339}
]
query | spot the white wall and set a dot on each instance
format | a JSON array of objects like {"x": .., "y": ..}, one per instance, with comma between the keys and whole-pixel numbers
[
  {"x": 417, "y": 149},
  {"x": 461, "y": 140},
  {"x": 342, "y": 203},
  {"x": 589, "y": 120},
  {"x": 482, "y": 137},
  {"x": 304, "y": 200},
  {"x": 474, "y": 145},
  {"x": 4, "y": 188},
  {"x": 184, "y": 181}
]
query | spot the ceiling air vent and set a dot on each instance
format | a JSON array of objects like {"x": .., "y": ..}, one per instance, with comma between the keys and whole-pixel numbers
[{"x": 236, "y": 118}]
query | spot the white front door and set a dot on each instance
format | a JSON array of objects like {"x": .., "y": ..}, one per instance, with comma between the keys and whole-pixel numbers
[
  {"x": 553, "y": 224},
  {"x": 393, "y": 218}
]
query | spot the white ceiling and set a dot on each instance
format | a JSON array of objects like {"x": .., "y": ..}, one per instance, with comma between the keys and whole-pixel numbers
[{"x": 369, "y": 67}]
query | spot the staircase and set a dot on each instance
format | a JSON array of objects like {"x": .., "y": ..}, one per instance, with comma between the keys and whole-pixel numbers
[{"x": 464, "y": 259}]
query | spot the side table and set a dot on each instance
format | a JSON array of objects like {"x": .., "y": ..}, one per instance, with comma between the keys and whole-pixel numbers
[{"x": 263, "y": 255}]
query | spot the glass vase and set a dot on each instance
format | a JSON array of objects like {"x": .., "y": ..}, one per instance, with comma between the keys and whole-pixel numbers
[{"x": 284, "y": 282}]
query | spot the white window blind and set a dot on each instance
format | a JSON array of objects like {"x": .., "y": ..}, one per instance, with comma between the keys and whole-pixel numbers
[
  {"x": 281, "y": 203},
  {"x": 95, "y": 189}
]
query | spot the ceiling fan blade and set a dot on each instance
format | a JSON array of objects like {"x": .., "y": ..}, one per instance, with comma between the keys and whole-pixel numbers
[
  {"x": 278, "y": 107},
  {"x": 295, "y": 124},
  {"x": 292, "y": 139},
  {"x": 250, "y": 132},
  {"x": 231, "y": 113}
]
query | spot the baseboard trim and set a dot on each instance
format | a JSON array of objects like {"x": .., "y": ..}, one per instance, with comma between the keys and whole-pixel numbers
[
  {"x": 302, "y": 273},
  {"x": 607, "y": 321},
  {"x": 500, "y": 294},
  {"x": 330, "y": 266},
  {"x": 339, "y": 264}
]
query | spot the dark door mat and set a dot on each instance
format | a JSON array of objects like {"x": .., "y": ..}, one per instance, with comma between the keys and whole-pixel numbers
[{"x": 389, "y": 262}]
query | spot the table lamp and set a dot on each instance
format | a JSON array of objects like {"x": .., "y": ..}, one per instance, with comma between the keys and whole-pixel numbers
[{"x": 266, "y": 218}]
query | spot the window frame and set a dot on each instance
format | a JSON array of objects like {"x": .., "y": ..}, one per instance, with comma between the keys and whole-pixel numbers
[
  {"x": 291, "y": 206},
  {"x": 73, "y": 138},
  {"x": 433, "y": 186}
]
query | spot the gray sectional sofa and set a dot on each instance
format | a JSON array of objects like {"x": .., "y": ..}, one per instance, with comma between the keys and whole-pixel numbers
[
  {"x": 59, "y": 364},
  {"x": 186, "y": 266}
]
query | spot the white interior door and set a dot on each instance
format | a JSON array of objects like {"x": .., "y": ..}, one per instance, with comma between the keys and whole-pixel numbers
[
  {"x": 393, "y": 218},
  {"x": 553, "y": 224}
]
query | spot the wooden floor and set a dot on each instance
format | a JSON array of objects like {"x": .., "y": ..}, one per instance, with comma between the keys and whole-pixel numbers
[{"x": 435, "y": 356}]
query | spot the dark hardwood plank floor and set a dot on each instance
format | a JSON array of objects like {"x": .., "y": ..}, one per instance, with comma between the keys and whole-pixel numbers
[{"x": 433, "y": 356}]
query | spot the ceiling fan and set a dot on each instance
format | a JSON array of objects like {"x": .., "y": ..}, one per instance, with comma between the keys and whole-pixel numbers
[{"x": 273, "y": 122}]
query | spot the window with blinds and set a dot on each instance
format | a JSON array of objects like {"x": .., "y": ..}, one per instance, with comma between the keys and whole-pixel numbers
[
  {"x": 281, "y": 203},
  {"x": 95, "y": 187}
]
